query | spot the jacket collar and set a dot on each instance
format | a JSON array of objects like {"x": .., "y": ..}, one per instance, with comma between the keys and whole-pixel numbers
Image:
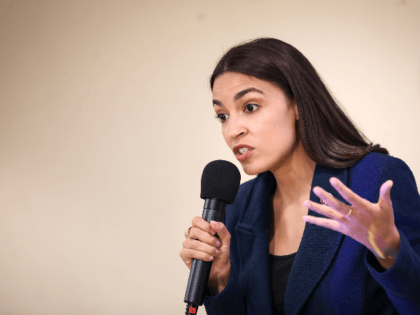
[{"x": 318, "y": 246}]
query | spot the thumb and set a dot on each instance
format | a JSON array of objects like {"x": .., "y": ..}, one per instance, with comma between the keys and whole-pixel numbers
[
  {"x": 221, "y": 231},
  {"x": 385, "y": 193}
]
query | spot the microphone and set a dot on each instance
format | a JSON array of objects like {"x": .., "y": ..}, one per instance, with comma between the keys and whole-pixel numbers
[{"x": 219, "y": 185}]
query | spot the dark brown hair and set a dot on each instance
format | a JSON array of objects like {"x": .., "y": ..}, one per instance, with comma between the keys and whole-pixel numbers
[{"x": 328, "y": 135}]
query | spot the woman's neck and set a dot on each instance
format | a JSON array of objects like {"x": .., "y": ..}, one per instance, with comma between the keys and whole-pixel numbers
[
  {"x": 294, "y": 180},
  {"x": 294, "y": 177}
]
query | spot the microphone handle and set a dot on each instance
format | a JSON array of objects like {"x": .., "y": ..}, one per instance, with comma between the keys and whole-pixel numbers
[{"x": 214, "y": 209}]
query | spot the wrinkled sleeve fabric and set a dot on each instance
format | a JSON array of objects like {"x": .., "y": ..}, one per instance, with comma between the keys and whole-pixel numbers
[{"x": 401, "y": 282}]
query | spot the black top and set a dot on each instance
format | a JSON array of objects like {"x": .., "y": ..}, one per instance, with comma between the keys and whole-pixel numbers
[{"x": 280, "y": 267}]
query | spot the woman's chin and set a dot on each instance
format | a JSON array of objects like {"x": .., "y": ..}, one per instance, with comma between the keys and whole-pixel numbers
[{"x": 249, "y": 170}]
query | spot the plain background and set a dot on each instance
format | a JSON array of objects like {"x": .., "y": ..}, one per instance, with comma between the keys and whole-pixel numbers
[{"x": 106, "y": 123}]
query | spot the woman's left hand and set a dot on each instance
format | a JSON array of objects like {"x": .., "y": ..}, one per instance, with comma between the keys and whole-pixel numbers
[{"x": 371, "y": 224}]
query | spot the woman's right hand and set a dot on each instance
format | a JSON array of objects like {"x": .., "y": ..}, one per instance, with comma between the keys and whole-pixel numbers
[{"x": 203, "y": 244}]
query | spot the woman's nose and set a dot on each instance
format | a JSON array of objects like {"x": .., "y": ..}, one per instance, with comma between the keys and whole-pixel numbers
[{"x": 237, "y": 128}]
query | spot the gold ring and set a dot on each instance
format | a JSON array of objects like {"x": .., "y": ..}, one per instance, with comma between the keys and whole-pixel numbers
[{"x": 187, "y": 231}]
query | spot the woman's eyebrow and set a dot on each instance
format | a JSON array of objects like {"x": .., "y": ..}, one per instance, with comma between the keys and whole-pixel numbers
[
  {"x": 242, "y": 93},
  {"x": 216, "y": 102},
  {"x": 239, "y": 95}
]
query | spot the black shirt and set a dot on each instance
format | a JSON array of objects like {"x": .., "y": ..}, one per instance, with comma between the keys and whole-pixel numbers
[{"x": 280, "y": 267}]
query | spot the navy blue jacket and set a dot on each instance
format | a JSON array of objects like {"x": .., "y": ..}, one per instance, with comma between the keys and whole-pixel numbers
[{"x": 332, "y": 273}]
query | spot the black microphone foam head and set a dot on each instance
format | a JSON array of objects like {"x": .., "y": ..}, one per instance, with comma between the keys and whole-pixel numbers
[{"x": 220, "y": 180}]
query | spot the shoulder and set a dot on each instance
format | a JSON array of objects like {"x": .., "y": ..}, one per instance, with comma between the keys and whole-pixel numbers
[
  {"x": 379, "y": 160},
  {"x": 368, "y": 175},
  {"x": 375, "y": 165}
]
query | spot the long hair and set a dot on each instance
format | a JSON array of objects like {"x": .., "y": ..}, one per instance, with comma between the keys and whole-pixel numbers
[{"x": 327, "y": 134}]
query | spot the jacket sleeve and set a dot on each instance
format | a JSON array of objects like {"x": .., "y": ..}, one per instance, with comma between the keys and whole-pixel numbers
[{"x": 401, "y": 282}]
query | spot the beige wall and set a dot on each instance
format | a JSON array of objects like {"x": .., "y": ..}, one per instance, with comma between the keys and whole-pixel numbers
[{"x": 106, "y": 124}]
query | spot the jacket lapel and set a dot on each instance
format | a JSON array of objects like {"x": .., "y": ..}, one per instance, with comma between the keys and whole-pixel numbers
[
  {"x": 253, "y": 240},
  {"x": 317, "y": 249}
]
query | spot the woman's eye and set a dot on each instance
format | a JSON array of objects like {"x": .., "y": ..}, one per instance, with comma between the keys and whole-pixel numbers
[
  {"x": 251, "y": 108},
  {"x": 222, "y": 117}
]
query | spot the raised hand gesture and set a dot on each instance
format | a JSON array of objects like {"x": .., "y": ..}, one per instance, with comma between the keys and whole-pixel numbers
[{"x": 371, "y": 224}]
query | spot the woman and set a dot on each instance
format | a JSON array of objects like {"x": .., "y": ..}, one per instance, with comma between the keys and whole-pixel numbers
[{"x": 360, "y": 252}]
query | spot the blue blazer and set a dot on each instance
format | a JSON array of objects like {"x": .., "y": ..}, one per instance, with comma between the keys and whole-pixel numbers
[{"x": 332, "y": 273}]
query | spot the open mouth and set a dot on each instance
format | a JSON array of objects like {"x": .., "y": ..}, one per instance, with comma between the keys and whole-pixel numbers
[{"x": 242, "y": 150}]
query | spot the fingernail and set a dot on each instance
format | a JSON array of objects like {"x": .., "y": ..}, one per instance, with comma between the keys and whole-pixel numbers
[
  {"x": 217, "y": 243},
  {"x": 217, "y": 252},
  {"x": 210, "y": 257},
  {"x": 307, "y": 204},
  {"x": 212, "y": 232}
]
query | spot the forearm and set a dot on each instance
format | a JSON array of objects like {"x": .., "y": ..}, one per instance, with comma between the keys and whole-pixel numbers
[
  {"x": 217, "y": 285},
  {"x": 229, "y": 300}
]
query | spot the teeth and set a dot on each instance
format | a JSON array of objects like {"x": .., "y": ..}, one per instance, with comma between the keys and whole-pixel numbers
[{"x": 243, "y": 150}]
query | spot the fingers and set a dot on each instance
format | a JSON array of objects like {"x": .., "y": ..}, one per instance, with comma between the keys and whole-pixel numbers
[
  {"x": 203, "y": 243},
  {"x": 188, "y": 255},
  {"x": 348, "y": 194},
  {"x": 327, "y": 223},
  {"x": 351, "y": 197},
  {"x": 324, "y": 210},
  {"x": 202, "y": 224},
  {"x": 334, "y": 205},
  {"x": 196, "y": 249},
  {"x": 201, "y": 230},
  {"x": 201, "y": 247},
  {"x": 222, "y": 232}
]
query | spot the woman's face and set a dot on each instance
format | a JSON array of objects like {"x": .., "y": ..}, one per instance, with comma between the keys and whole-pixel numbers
[{"x": 258, "y": 121}]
